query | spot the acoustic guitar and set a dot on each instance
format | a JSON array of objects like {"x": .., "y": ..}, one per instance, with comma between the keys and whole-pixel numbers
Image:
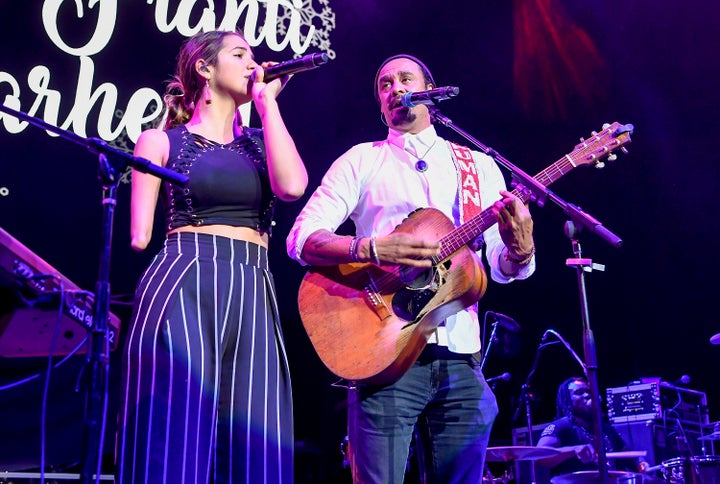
[{"x": 369, "y": 323}]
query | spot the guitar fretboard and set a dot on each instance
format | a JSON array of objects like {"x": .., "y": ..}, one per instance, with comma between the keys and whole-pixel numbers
[{"x": 588, "y": 152}]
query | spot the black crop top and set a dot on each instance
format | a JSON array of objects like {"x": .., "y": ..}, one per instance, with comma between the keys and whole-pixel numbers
[{"x": 228, "y": 183}]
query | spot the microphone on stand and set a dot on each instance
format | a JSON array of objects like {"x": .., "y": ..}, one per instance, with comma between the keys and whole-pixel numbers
[
  {"x": 504, "y": 377},
  {"x": 412, "y": 99},
  {"x": 304, "y": 63},
  {"x": 683, "y": 380},
  {"x": 505, "y": 321},
  {"x": 645, "y": 468}
]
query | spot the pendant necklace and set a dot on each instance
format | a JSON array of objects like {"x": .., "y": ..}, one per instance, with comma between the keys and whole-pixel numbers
[{"x": 421, "y": 165}]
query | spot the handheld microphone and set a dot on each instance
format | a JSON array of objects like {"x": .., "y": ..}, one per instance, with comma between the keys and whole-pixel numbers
[
  {"x": 505, "y": 321},
  {"x": 304, "y": 63},
  {"x": 504, "y": 377},
  {"x": 412, "y": 99}
]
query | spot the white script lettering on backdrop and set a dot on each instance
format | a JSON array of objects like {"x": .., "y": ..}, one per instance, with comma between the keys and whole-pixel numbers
[{"x": 277, "y": 24}]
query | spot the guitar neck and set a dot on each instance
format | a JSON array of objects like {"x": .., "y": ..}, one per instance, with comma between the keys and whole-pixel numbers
[
  {"x": 591, "y": 151},
  {"x": 469, "y": 231}
]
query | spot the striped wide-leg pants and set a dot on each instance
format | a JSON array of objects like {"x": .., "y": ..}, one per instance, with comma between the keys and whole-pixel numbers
[{"x": 205, "y": 394}]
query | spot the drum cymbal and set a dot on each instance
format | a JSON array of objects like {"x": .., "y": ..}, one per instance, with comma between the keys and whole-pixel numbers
[
  {"x": 593, "y": 477},
  {"x": 519, "y": 452},
  {"x": 712, "y": 436}
]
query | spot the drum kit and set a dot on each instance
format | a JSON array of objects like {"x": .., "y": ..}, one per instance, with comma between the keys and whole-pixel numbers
[
  {"x": 698, "y": 469},
  {"x": 538, "y": 453},
  {"x": 702, "y": 469}
]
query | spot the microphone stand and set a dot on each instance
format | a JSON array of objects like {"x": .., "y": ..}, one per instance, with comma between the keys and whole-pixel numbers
[
  {"x": 539, "y": 194},
  {"x": 537, "y": 191},
  {"x": 112, "y": 163},
  {"x": 526, "y": 399},
  {"x": 591, "y": 366}
]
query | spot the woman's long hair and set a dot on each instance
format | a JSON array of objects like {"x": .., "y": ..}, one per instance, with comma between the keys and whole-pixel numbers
[{"x": 184, "y": 89}]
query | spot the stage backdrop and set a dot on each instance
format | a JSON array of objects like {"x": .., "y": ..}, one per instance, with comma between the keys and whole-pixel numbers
[{"x": 534, "y": 76}]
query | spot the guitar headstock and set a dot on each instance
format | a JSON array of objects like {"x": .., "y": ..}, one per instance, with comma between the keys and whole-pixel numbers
[{"x": 601, "y": 145}]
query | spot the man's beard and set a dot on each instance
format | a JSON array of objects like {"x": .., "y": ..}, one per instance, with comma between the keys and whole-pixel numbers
[{"x": 401, "y": 117}]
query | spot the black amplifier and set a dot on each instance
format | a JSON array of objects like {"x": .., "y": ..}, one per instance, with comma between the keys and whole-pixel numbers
[{"x": 651, "y": 399}]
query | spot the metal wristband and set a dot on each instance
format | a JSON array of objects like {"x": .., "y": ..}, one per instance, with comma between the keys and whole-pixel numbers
[
  {"x": 373, "y": 251},
  {"x": 354, "y": 246}
]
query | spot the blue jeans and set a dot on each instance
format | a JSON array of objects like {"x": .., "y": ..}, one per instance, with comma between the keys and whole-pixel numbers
[{"x": 446, "y": 395}]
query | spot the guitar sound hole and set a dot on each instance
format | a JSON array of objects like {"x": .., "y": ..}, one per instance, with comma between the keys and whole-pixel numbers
[
  {"x": 419, "y": 288},
  {"x": 417, "y": 278},
  {"x": 407, "y": 303}
]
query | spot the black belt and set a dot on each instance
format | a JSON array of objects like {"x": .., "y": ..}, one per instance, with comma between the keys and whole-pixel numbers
[{"x": 433, "y": 352}]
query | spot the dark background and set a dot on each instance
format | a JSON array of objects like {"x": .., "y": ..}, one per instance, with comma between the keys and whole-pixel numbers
[{"x": 534, "y": 77}]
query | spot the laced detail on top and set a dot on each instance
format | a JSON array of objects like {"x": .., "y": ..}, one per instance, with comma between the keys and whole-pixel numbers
[{"x": 180, "y": 208}]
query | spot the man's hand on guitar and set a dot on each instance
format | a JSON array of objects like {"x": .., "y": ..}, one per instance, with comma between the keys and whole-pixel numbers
[
  {"x": 404, "y": 249},
  {"x": 516, "y": 226}
]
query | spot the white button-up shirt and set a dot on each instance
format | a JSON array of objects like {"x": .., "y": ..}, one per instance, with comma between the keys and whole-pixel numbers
[{"x": 377, "y": 185}]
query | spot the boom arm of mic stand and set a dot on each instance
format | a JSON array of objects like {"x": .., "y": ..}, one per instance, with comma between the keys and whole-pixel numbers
[
  {"x": 569, "y": 348},
  {"x": 583, "y": 219},
  {"x": 118, "y": 159},
  {"x": 537, "y": 192}
]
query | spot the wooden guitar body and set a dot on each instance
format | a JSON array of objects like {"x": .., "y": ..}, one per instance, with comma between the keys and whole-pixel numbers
[{"x": 370, "y": 326}]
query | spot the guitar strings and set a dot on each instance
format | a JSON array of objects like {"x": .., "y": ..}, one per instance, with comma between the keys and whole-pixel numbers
[{"x": 449, "y": 242}]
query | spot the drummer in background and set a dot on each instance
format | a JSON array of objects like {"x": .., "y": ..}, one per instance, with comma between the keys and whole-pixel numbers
[{"x": 572, "y": 431}]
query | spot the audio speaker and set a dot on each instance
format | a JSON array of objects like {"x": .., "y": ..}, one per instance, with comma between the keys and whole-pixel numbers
[{"x": 662, "y": 441}]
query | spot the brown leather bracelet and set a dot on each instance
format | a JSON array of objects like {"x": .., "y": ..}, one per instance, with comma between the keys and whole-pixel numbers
[{"x": 520, "y": 262}]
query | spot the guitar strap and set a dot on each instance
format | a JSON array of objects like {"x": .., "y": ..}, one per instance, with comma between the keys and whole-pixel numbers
[
  {"x": 468, "y": 182},
  {"x": 469, "y": 200}
]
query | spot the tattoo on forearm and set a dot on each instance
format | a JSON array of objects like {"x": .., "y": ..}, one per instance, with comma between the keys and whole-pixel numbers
[{"x": 326, "y": 240}]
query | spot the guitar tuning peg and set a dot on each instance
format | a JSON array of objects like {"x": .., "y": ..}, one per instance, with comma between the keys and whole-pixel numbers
[
  {"x": 605, "y": 126},
  {"x": 582, "y": 140},
  {"x": 594, "y": 133},
  {"x": 624, "y": 150},
  {"x": 599, "y": 165},
  {"x": 612, "y": 157}
]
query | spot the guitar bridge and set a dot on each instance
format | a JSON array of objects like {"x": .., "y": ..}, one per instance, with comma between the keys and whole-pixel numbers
[{"x": 375, "y": 300}]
